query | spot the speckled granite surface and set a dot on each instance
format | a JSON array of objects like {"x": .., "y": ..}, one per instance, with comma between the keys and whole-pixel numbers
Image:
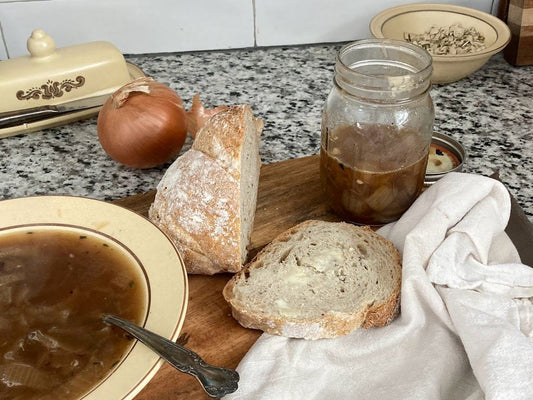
[{"x": 490, "y": 112}]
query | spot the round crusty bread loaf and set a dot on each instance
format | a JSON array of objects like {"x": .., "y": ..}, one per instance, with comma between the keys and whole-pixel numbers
[
  {"x": 206, "y": 200},
  {"x": 318, "y": 280}
]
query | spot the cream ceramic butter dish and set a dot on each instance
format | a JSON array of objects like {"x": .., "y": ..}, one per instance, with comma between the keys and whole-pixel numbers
[{"x": 53, "y": 76}]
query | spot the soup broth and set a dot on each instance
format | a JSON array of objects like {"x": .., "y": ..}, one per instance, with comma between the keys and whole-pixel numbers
[{"x": 54, "y": 287}]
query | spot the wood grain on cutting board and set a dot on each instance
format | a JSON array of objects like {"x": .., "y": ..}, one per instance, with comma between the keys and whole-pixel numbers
[{"x": 289, "y": 193}]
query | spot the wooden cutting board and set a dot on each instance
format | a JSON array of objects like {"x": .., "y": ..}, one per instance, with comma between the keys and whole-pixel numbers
[{"x": 289, "y": 193}]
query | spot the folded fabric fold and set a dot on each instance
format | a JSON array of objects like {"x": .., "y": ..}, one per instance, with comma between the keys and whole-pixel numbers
[{"x": 466, "y": 325}]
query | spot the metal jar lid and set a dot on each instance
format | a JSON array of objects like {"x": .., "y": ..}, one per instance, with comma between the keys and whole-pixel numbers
[{"x": 445, "y": 155}]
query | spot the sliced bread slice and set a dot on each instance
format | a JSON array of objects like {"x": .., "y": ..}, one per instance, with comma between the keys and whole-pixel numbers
[{"x": 318, "y": 280}]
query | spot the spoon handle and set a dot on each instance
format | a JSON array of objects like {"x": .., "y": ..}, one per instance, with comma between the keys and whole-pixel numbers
[{"x": 216, "y": 381}]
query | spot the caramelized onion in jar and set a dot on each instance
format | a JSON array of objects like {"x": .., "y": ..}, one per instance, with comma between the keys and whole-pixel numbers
[
  {"x": 377, "y": 127},
  {"x": 373, "y": 183}
]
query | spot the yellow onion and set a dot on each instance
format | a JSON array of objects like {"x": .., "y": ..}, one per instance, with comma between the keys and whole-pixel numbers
[{"x": 143, "y": 124}]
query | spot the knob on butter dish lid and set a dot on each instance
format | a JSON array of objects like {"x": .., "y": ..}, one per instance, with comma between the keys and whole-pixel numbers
[{"x": 50, "y": 75}]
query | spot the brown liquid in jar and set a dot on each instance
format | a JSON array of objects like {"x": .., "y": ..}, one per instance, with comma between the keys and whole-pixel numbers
[{"x": 371, "y": 174}]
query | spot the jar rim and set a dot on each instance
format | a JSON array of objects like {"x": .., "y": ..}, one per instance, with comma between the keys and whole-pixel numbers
[
  {"x": 385, "y": 44},
  {"x": 387, "y": 65}
]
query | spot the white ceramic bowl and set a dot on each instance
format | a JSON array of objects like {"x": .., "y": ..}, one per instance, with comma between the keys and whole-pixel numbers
[
  {"x": 418, "y": 18},
  {"x": 156, "y": 259}
]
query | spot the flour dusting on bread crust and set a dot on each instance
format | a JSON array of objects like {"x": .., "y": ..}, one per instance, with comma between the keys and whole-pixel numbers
[
  {"x": 187, "y": 191},
  {"x": 206, "y": 200}
]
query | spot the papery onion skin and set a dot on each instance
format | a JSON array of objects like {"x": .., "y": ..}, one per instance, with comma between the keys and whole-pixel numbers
[
  {"x": 198, "y": 115},
  {"x": 143, "y": 124}
]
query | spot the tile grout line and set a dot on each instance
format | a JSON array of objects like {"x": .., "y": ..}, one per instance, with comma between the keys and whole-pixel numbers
[
  {"x": 255, "y": 22},
  {"x": 4, "y": 40},
  {"x": 494, "y": 7}
]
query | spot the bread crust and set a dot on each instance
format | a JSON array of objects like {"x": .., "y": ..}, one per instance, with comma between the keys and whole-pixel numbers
[
  {"x": 206, "y": 240},
  {"x": 223, "y": 137},
  {"x": 197, "y": 203},
  {"x": 331, "y": 324}
]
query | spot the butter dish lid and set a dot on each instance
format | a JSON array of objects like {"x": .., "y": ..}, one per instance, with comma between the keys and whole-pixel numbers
[{"x": 50, "y": 75}]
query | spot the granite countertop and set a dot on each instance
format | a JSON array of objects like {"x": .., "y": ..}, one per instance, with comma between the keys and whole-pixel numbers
[{"x": 489, "y": 112}]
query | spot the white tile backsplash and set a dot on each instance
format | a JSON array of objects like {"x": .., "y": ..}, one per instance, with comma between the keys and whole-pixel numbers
[
  {"x": 312, "y": 21},
  {"x": 281, "y": 22},
  {"x": 141, "y": 26},
  {"x": 134, "y": 26},
  {"x": 3, "y": 49}
]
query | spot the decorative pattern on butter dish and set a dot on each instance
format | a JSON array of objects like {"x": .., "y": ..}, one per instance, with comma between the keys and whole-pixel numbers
[{"x": 51, "y": 89}]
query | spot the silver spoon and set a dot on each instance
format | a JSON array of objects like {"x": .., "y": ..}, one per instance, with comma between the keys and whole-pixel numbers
[{"x": 216, "y": 381}]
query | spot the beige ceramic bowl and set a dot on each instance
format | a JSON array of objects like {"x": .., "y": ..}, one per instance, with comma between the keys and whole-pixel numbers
[
  {"x": 418, "y": 18},
  {"x": 157, "y": 262}
]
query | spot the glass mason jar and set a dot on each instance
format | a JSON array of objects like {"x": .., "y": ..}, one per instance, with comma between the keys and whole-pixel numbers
[{"x": 377, "y": 125}]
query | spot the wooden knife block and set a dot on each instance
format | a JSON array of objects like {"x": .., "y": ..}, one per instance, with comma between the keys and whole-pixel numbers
[{"x": 518, "y": 14}]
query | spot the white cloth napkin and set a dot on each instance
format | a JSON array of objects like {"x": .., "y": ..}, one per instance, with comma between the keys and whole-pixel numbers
[{"x": 466, "y": 325}]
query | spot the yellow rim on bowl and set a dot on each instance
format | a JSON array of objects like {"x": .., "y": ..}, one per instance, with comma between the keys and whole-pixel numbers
[
  {"x": 160, "y": 262},
  {"x": 502, "y": 31}
]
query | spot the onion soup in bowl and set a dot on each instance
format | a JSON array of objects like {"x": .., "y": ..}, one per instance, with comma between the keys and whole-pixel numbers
[{"x": 64, "y": 261}]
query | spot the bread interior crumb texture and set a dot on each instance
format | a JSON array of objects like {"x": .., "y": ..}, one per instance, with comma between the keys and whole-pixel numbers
[
  {"x": 250, "y": 164},
  {"x": 319, "y": 270}
]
